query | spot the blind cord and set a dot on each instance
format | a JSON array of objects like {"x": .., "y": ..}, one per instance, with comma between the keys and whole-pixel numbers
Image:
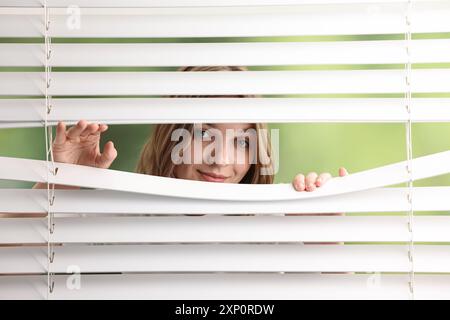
[
  {"x": 49, "y": 152},
  {"x": 409, "y": 147}
]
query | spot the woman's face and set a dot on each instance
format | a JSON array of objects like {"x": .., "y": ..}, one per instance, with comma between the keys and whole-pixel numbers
[{"x": 227, "y": 161}]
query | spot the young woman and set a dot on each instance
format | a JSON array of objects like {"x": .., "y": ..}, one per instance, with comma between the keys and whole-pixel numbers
[{"x": 80, "y": 144}]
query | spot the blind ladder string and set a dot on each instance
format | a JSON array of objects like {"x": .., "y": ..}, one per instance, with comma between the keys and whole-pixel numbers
[
  {"x": 51, "y": 168},
  {"x": 409, "y": 147}
]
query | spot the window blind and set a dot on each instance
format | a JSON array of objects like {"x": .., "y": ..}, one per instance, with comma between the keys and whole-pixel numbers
[{"x": 54, "y": 58}]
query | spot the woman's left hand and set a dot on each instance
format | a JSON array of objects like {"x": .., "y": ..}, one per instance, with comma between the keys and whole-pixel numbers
[{"x": 312, "y": 180}]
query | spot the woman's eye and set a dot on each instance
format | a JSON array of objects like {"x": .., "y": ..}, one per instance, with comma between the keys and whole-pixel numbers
[
  {"x": 203, "y": 133},
  {"x": 243, "y": 143},
  {"x": 206, "y": 134}
]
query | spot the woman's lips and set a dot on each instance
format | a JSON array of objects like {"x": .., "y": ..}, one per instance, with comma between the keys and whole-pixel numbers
[{"x": 212, "y": 178}]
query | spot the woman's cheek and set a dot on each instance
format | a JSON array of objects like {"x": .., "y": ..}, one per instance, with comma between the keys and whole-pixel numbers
[
  {"x": 240, "y": 170},
  {"x": 184, "y": 171}
]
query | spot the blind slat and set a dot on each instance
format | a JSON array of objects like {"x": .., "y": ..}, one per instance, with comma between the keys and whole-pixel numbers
[
  {"x": 226, "y": 229},
  {"x": 213, "y": 54},
  {"x": 224, "y": 286},
  {"x": 224, "y": 82},
  {"x": 31, "y": 112},
  {"x": 183, "y": 3},
  {"x": 111, "y": 202},
  {"x": 227, "y": 258},
  {"x": 218, "y": 21},
  {"x": 108, "y": 179},
  {"x": 230, "y": 287},
  {"x": 237, "y": 21}
]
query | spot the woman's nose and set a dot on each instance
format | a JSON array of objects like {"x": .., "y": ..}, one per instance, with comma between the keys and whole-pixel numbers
[{"x": 223, "y": 155}]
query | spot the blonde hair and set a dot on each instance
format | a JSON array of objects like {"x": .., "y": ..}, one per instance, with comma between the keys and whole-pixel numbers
[{"x": 155, "y": 157}]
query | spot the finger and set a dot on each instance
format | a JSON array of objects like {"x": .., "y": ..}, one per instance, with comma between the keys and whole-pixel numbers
[
  {"x": 322, "y": 179},
  {"x": 105, "y": 159},
  {"x": 299, "y": 182},
  {"x": 343, "y": 172},
  {"x": 76, "y": 130},
  {"x": 60, "y": 133},
  {"x": 311, "y": 181},
  {"x": 90, "y": 129},
  {"x": 103, "y": 127}
]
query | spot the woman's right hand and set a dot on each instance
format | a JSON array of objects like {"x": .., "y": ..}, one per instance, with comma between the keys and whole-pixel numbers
[{"x": 80, "y": 144}]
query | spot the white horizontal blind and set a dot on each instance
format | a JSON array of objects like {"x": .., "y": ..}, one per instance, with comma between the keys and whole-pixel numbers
[
  {"x": 182, "y": 3},
  {"x": 205, "y": 83},
  {"x": 29, "y": 112},
  {"x": 112, "y": 202},
  {"x": 227, "y": 258},
  {"x": 227, "y": 229},
  {"x": 223, "y": 53},
  {"x": 235, "y": 21},
  {"x": 239, "y": 286},
  {"x": 75, "y": 175},
  {"x": 111, "y": 232}
]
